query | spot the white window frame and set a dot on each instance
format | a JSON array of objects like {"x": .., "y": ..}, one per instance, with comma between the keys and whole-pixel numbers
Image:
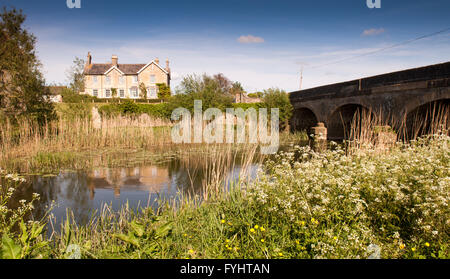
[
  {"x": 134, "y": 93},
  {"x": 122, "y": 90},
  {"x": 94, "y": 92},
  {"x": 150, "y": 91},
  {"x": 152, "y": 78},
  {"x": 135, "y": 79},
  {"x": 110, "y": 92},
  {"x": 95, "y": 79}
]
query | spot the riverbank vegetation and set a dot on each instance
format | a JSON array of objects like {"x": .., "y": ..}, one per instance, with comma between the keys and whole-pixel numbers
[{"x": 303, "y": 204}]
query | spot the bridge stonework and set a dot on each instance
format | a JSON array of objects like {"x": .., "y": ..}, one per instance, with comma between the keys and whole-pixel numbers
[{"x": 392, "y": 96}]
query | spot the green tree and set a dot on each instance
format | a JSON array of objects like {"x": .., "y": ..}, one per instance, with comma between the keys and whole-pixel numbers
[
  {"x": 22, "y": 86},
  {"x": 212, "y": 91},
  {"x": 75, "y": 74},
  {"x": 277, "y": 98},
  {"x": 142, "y": 91},
  {"x": 163, "y": 91},
  {"x": 236, "y": 88},
  {"x": 114, "y": 93}
]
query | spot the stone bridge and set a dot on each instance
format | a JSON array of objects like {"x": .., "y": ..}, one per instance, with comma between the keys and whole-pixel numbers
[{"x": 398, "y": 97}]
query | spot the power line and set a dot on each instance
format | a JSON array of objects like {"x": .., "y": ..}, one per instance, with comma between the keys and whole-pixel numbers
[{"x": 383, "y": 49}]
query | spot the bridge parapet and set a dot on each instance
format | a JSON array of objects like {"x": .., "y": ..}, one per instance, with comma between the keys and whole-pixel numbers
[
  {"x": 391, "y": 96},
  {"x": 429, "y": 76}
]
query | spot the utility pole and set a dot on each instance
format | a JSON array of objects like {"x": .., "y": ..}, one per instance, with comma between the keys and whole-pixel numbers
[{"x": 301, "y": 77}]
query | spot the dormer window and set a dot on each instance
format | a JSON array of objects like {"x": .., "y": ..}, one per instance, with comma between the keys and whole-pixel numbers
[
  {"x": 152, "y": 78},
  {"x": 135, "y": 79},
  {"x": 108, "y": 80},
  {"x": 95, "y": 79}
]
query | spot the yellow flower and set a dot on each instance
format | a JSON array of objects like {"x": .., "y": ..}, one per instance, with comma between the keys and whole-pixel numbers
[
  {"x": 402, "y": 246},
  {"x": 262, "y": 240},
  {"x": 262, "y": 229},
  {"x": 222, "y": 221},
  {"x": 256, "y": 227},
  {"x": 230, "y": 224},
  {"x": 427, "y": 244},
  {"x": 280, "y": 254},
  {"x": 302, "y": 222},
  {"x": 191, "y": 251},
  {"x": 227, "y": 240},
  {"x": 313, "y": 220},
  {"x": 298, "y": 242},
  {"x": 413, "y": 249},
  {"x": 252, "y": 230},
  {"x": 335, "y": 238},
  {"x": 185, "y": 234}
]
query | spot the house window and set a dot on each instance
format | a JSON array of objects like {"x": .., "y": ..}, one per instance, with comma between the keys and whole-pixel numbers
[
  {"x": 121, "y": 79},
  {"x": 122, "y": 93},
  {"x": 152, "y": 93},
  {"x": 152, "y": 78},
  {"x": 108, "y": 80},
  {"x": 95, "y": 93},
  {"x": 134, "y": 93},
  {"x": 135, "y": 79},
  {"x": 95, "y": 79},
  {"x": 107, "y": 93}
]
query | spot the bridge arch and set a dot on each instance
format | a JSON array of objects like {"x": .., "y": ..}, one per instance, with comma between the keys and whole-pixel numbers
[
  {"x": 303, "y": 119},
  {"x": 340, "y": 121},
  {"x": 427, "y": 118}
]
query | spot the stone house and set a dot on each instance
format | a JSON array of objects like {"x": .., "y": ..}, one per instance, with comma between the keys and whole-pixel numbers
[{"x": 101, "y": 79}]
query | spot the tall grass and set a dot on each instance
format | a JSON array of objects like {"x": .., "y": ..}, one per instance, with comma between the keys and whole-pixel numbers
[
  {"x": 27, "y": 139},
  {"x": 374, "y": 130}
]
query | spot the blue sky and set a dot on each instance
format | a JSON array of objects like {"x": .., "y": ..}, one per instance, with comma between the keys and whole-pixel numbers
[{"x": 261, "y": 44}]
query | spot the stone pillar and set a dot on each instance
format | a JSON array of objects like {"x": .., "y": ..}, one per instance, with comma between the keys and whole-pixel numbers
[{"x": 320, "y": 137}]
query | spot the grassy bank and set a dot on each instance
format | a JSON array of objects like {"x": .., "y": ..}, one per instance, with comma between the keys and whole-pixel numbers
[{"x": 305, "y": 205}]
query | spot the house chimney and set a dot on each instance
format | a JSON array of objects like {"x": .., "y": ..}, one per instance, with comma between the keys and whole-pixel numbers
[
  {"x": 88, "y": 60},
  {"x": 114, "y": 60},
  {"x": 167, "y": 65},
  {"x": 157, "y": 60}
]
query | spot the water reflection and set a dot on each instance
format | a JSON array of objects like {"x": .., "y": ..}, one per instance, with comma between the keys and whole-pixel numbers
[{"x": 84, "y": 192}]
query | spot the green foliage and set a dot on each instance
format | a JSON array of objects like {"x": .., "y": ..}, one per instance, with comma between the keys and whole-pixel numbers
[
  {"x": 129, "y": 107},
  {"x": 304, "y": 204},
  {"x": 75, "y": 75},
  {"x": 255, "y": 95},
  {"x": 114, "y": 93},
  {"x": 28, "y": 240},
  {"x": 70, "y": 96},
  {"x": 163, "y": 91},
  {"x": 277, "y": 98},
  {"x": 22, "y": 86},
  {"x": 212, "y": 91},
  {"x": 246, "y": 106},
  {"x": 73, "y": 110},
  {"x": 142, "y": 91}
]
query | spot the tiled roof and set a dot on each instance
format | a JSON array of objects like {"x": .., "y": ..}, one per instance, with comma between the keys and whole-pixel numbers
[{"x": 100, "y": 69}]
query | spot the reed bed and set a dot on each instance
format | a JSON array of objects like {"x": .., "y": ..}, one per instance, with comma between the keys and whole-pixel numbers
[
  {"x": 376, "y": 131},
  {"x": 26, "y": 140}
]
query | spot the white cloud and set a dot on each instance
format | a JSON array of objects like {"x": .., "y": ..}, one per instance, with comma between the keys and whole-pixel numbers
[
  {"x": 373, "y": 31},
  {"x": 250, "y": 39}
]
